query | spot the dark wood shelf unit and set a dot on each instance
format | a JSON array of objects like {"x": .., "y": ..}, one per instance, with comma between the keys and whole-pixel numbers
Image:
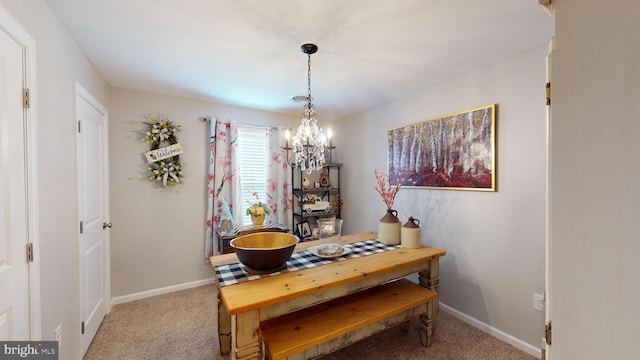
[{"x": 331, "y": 194}]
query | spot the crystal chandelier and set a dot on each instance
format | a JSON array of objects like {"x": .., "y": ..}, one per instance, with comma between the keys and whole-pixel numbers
[{"x": 308, "y": 143}]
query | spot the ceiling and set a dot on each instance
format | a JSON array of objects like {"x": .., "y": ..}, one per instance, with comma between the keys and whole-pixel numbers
[{"x": 247, "y": 52}]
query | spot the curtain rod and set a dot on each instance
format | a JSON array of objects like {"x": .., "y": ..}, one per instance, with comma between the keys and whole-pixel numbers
[{"x": 209, "y": 118}]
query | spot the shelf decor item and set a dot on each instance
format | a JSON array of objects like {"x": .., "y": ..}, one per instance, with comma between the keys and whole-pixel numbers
[
  {"x": 164, "y": 162},
  {"x": 258, "y": 211},
  {"x": 325, "y": 181},
  {"x": 303, "y": 230},
  {"x": 389, "y": 225}
]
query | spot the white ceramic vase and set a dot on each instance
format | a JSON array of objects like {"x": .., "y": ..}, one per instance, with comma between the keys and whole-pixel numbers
[
  {"x": 411, "y": 234},
  {"x": 389, "y": 228}
]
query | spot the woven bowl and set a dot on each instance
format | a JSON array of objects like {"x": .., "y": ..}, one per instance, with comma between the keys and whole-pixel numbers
[{"x": 264, "y": 252}]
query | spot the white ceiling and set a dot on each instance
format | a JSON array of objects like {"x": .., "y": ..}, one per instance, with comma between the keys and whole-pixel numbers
[{"x": 247, "y": 52}]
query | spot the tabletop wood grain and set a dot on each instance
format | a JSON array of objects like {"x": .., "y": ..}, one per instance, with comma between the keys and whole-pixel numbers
[{"x": 270, "y": 290}]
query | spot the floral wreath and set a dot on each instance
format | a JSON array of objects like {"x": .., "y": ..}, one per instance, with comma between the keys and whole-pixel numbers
[{"x": 164, "y": 163}]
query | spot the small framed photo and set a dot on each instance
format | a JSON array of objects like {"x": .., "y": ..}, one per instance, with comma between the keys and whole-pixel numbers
[{"x": 304, "y": 229}]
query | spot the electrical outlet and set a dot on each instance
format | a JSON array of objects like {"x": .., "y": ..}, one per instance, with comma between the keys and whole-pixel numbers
[
  {"x": 58, "y": 334},
  {"x": 538, "y": 302}
]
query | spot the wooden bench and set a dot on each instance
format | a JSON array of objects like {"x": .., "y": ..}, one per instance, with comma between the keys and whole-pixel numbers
[{"x": 320, "y": 329}]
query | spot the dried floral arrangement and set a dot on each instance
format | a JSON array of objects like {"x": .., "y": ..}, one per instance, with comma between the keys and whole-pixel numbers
[{"x": 385, "y": 189}]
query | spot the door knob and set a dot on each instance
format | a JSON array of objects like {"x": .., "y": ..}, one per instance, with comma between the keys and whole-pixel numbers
[{"x": 106, "y": 225}]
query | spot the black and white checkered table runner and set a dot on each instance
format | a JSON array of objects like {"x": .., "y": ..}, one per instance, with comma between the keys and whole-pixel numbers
[{"x": 234, "y": 273}]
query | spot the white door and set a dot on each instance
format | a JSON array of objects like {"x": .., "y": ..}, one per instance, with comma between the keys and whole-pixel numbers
[
  {"x": 93, "y": 211},
  {"x": 547, "y": 287},
  {"x": 14, "y": 269}
]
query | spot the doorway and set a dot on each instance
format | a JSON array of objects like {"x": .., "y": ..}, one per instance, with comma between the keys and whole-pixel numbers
[
  {"x": 19, "y": 260},
  {"x": 93, "y": 213}
]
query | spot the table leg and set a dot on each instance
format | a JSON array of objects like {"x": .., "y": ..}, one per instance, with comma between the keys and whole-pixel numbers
[
  {"x": 224, "y": 327},
  {"x": 429, "y": 279},
  {"x": 244, "y": 336}
]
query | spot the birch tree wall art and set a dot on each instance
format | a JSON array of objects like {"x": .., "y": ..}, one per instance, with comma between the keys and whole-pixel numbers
[{"x": 455, "y": 151}]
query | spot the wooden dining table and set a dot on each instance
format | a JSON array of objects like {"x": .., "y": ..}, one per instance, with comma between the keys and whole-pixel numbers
[{"x": 242, "y": 306}]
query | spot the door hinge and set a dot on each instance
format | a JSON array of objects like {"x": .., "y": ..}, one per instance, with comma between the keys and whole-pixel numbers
[
  {"x": 81, "y": 227},
  {"x": 547, "y": 333},
  {"x": 26, "y": 99},
  {"x": 82, "y": 328},
  {"x": 548, "y": 93},
  {"x": 30, "y": 252},
  {"x": 78, "y": 125}
]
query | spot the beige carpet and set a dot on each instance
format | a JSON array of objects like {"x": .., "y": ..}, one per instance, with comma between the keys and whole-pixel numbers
[{"x": 182, "y": 325}]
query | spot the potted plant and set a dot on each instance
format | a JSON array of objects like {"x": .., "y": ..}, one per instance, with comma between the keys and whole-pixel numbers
[{"x": 258, "y": 211}]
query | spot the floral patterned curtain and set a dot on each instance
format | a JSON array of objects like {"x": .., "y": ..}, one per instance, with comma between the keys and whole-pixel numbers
[
  {"x": 223, "y": 181},
  {"x": 279, "y": 178}
]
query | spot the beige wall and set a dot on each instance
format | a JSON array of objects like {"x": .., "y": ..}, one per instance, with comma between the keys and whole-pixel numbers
[
  {"x": 59, "y": 63},
  {"x": 595, "y": 180},
  {"x": 494, "y": 241},
  {"x": 158, "y": 233}
]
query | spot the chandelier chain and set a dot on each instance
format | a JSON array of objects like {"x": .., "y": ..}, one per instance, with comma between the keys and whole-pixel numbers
[{"x": 309, "y": 79}]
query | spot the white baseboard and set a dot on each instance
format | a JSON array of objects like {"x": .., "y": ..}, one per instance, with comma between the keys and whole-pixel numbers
[
  {"x": 164, "y": 290},
  {"x": 517, "y": 343}
]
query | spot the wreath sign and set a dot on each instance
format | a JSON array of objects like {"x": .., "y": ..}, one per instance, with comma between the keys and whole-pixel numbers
[{"x": 164, "y": 163}]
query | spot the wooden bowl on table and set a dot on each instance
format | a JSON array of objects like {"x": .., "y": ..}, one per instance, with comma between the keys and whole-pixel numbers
[{"x": 264, "y": 252}]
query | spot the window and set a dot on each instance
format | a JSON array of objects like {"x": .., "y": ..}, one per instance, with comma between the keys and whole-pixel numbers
[{"x": 253, "y": 161}]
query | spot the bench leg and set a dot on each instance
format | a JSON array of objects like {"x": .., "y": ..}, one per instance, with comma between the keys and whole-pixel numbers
[
  {"x": 224, "y": 327},
  {"x": 426, "y": 325},
  {"x": 429, "y": 279}
]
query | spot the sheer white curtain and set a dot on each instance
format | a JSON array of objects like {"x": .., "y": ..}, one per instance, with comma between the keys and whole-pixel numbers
[
  {"x": 279, "y": 178},
  {"x": 223, "y": 181}
]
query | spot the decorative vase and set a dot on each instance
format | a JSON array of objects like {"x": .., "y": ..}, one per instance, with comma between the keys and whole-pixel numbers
[
  {"x": 411, "y": 235},
  {"x": 389, "y": 228},
  {"x": 257, "y": 220}
]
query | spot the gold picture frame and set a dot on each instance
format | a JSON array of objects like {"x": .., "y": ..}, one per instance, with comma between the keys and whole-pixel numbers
[{"x": 455, "y": 151}]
